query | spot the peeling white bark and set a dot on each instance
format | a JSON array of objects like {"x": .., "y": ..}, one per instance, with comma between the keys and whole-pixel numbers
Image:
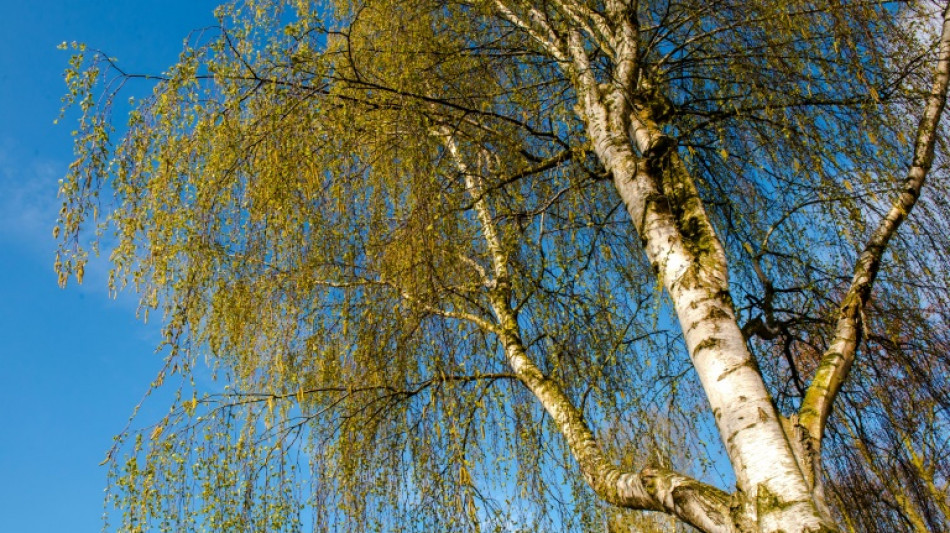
[
  {"x": 765, "y": 465},
  {"x": 696, "y": 278}
]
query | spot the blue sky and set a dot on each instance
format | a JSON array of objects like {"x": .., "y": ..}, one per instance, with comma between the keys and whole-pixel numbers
[{"x": 73, "y": 363}]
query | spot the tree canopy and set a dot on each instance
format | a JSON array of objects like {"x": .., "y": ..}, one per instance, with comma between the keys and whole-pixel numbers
[{"x": 520, "y": 265}]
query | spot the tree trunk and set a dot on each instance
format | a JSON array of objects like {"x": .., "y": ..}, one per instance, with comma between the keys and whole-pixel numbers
[{"x": 661, "y": 199}]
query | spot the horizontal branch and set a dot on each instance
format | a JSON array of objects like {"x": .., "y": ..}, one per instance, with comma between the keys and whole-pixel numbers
[
  {"x": 412, "y": 390},
  {"x": 546, "y": 164}
]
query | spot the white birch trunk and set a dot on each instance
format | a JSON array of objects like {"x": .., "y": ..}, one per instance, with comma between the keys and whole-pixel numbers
[{"x": 688, "y": 258}]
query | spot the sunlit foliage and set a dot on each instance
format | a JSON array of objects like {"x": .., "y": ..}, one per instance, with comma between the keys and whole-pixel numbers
[{"x": 285, "y": 203}]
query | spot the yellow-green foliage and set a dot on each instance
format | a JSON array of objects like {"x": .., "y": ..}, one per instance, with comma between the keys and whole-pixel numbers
[{"x": 282, "y": 201}]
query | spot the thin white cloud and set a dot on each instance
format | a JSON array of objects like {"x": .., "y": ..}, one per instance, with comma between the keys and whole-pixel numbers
[
  {"x": 28, "y": 210},
  {"x": 28, "y": 202}
]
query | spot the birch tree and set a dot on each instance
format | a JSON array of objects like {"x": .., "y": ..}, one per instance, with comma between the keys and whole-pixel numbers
[{"x": 514, "y": 265}]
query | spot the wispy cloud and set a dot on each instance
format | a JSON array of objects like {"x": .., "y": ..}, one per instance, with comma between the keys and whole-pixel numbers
[
  {"x": 28, "y": 203},
  {"x": 28, "y": 211}
]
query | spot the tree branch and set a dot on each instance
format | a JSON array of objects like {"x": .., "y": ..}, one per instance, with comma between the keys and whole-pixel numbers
[
  {"x": 701, "y": 505},
  {"x": 549, "y": 42},
  {"x": 837, "y": 360}
]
